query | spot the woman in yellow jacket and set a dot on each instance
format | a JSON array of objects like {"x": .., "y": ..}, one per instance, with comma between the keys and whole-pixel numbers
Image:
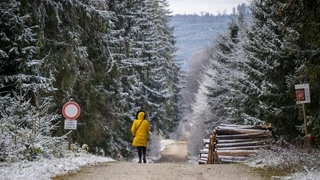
[{"x": 140, "y": 130}]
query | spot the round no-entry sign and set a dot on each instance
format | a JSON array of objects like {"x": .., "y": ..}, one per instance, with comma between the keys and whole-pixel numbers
[{"x": 71, "y": 110}]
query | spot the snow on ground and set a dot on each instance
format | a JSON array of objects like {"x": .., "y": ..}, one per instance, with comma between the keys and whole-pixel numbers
[
  {"x": 47, "y": 168},
  {"x": 303, "y": 160},
  {"x": 306, "y": 176}
]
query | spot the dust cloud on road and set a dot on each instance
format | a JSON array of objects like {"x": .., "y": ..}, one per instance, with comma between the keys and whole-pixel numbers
[{"x": 175, "y": 152}]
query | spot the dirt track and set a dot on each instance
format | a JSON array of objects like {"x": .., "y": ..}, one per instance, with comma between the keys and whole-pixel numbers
[{"x": 172, "y": 166}]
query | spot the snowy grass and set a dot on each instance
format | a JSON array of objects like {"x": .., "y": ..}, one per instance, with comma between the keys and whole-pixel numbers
[{"x": 293, "y": 162}]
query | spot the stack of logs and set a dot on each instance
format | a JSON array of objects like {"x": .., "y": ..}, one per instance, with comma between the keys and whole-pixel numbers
[{"x": 235, "y": 143}]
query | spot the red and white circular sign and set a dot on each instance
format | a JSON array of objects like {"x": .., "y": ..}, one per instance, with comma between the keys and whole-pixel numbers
[{"x": 71, "y": 110}]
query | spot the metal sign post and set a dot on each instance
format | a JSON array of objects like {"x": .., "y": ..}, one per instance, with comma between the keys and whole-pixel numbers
[
  {"x": 304, "y": 119},
  {"x": 70, "y": 111},
  {"x": 302, "y": 97}
]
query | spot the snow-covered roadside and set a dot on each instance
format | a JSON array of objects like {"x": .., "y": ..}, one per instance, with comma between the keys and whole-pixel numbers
[
  {"x": 304, "y": 161},
  {"x": 47, "y": 168},
  {"x": 307, "y": 175}
]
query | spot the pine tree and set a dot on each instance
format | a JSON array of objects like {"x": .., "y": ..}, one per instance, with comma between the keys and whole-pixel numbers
[
  {"x": 227, "y": 60},
  {"x": 20, "y": 61},
  {"x": 110, "y": 57},
  {"x": 269, "y": 65},
  {"x": 302, "y": 19}
]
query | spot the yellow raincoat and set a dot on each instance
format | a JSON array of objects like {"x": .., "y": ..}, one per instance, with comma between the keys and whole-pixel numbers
[{"x": 140, "y": 133}]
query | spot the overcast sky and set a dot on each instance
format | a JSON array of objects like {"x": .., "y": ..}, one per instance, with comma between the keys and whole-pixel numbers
[{"x": 198, "y": 6}]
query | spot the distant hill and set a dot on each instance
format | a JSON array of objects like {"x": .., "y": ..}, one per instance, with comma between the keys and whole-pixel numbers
[{"x": 194, "y": 32}]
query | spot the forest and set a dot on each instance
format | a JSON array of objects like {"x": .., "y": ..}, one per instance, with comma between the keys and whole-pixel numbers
[
  {"x": 111, "y": 57},
  {"x": 250, "y": 72},
  {"x": 116, "y": 57}
]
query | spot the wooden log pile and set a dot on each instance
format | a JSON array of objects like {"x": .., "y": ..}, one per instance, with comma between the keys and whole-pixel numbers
[{"x": 235, "y": 143}]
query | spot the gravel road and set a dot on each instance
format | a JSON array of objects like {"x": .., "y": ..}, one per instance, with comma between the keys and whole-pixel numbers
[{"x": 172, "y": 166}]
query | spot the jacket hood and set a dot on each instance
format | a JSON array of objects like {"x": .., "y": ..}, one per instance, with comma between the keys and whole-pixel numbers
[{"x": 141, "y": 116}]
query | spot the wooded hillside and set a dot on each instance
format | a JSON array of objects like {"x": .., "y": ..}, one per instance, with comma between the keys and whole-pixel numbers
[
  {"x": 253, "y": 68},
  {"x": 111, "y": 57}
]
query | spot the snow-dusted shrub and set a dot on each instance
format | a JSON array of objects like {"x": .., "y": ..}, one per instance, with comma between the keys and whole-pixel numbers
[
  {"x": 26, "y": 129},
  {"x": 283, "y": 155}
]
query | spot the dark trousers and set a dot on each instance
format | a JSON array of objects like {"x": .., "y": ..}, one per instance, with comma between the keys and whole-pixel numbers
[{"x": 142, "y": 152}]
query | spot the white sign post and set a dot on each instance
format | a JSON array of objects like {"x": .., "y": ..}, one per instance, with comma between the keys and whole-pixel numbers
[
  {"x": 302, "y": 97},
  {"x": 70, "y": 111}
]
